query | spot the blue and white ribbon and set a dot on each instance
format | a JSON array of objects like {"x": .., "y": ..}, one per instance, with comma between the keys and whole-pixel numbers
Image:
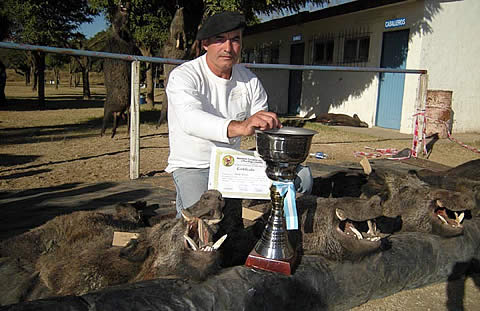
[{"x": 287, "y": 191}]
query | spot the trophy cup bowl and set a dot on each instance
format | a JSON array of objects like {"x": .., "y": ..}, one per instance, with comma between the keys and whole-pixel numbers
[{"x": 283, "y": 150}]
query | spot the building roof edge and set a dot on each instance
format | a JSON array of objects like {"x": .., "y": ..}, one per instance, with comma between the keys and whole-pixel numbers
[{"x": 305, "y": 17}]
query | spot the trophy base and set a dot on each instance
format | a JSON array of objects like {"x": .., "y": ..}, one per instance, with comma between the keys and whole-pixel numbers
[{"x": 284, "y": 266}]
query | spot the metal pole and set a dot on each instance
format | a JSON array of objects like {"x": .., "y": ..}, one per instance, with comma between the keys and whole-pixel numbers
[
  {"x": 135, "y": 121},
  {"x": 73, "y": 52},
  {"x": 333, "y": 68},
  {"x": 135, "y": 86},
  {"x": 47, "y": 49}
]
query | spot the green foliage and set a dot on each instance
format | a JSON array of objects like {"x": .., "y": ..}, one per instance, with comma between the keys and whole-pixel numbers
[
  {"x": 150, "y": 23},
  {"x": 47, "y": 22},
  {"x": 56, "y": 60},
  {"x": 252, "y": 7},
  {"x": 14, "y": 59},
  {"x": 150, "y": 19},
  {"x": 4, "y": 21}
]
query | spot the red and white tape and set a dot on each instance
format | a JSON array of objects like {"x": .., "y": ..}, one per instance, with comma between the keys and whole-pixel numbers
[
  {"x": 462, "y": 144},
  {"x": 377, "y": 153},
  {"x": 416, "y": 139}
]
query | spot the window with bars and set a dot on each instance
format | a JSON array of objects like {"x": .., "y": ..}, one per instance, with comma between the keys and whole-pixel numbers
[
  {"x": 248, "y": 56},
  {"x": 323, "y": 52},
  {"x": 356, "y": 50},
  {"x": 268, "y": 54}
]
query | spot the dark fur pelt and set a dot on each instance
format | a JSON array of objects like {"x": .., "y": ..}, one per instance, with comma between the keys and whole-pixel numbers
[
  {"x": 340, "y": 119},
  {"x": 417, "y": 203},
  {"x": 117, "y": 73},
  {"x": 73, "y": 254},
  {"x": 319, "y": 232}
]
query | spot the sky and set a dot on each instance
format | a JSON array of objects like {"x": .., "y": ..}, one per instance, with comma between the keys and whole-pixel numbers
[
  {"x": 91, "y": 29},
  {"x": 99, "y": 23}
]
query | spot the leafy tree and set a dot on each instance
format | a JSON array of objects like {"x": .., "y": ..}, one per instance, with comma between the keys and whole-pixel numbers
[
  {"x": 4, "y": 29},
  {"x": 249, "y": 8},
  {"x": 82, "y": 64},
  {"x": 56, "y": 62},
  {"x": 17, "y": 60},
  {"x": 150, "y": 21},
  {"x": 50, "y": 23}
]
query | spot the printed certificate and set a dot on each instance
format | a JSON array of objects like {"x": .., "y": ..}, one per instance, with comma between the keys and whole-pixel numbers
[{"x": 238, "y": 174}]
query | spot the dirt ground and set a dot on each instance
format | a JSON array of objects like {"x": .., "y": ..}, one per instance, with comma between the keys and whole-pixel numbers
[{"x": 61, "y": 145}]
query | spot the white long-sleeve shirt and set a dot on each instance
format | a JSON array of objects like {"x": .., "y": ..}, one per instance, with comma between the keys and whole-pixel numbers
[{"x": 201, "y": 106}]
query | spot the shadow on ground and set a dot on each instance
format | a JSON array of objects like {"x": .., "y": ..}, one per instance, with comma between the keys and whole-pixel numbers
[
  {"x": 47, "y": 133},
  {"x": 21, "y": 211},
  {"x": 53, "y": 103}
]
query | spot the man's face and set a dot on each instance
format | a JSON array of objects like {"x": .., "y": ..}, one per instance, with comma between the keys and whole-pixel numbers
[{"x": 223, "y": 51}]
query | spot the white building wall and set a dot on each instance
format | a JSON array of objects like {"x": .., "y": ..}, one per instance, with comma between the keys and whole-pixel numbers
[
  {"x": 356, "y": 93},
  {"x": 451, "y": 54},
  {"x": 442, "y": 40}
]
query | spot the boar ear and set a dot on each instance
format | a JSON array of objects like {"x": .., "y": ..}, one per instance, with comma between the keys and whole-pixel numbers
[
  {"x": 340, "y": 214},
  {"x": 187, "y": 215}
]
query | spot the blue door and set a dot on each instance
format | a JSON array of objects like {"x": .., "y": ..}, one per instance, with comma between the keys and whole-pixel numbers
[{"x": 390, "y": 89}]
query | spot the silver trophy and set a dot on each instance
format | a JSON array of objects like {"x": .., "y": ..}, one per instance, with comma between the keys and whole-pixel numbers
[{"x": 282, "y": 150}]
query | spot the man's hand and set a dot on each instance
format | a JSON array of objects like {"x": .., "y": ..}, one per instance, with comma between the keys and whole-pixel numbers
[{"x": 262, "y": 120}]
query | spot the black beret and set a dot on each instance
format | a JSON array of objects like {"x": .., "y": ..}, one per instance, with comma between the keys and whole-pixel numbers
[{"x": 221, "y": 22}]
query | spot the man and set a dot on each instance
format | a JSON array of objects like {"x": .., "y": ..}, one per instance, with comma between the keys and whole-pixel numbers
[{"x": 212, "y": 101}]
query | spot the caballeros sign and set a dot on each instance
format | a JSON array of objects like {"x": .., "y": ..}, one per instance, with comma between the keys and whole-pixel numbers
[{"x": 397, "y": 22}]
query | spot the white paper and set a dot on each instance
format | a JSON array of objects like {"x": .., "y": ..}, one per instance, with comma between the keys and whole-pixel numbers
[{"x": 238, "y": 174}]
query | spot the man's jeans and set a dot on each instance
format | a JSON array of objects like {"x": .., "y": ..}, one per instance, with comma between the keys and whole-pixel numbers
[{"x": 191, "y": 183}]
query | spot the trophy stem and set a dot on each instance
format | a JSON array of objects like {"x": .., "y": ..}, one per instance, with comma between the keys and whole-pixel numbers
[
  {"x": 273, "y": 251},
  {"x": 274, "y": 241}
]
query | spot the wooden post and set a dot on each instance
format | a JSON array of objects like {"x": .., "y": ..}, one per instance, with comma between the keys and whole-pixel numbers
[
  {"x": 420, "y": 107},
  {"x": 422, "y": 91},
  {"x": 135, "y": 121}
]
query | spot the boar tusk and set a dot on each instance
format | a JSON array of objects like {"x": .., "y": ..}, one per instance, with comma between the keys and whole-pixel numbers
[
  {"x": 357, "y": 233},
  {"x": 219, "y": 242},
  {"x": 187, "y": 215},
  {"x": 442, "y": 219},
  {"x": 372, "y": 227},
  {"x": 191, "y": 242},
  {"x": 459, "y": 218},
  {"x": 213, "y": 221}
]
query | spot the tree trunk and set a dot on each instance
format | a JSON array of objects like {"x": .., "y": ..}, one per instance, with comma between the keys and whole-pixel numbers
[
  {"x": 86, "y": 83},
  {"x": 70, "y": 71},
  {"x": 33, "y": 68},
  {"x": 150, "y": 89},
  {"x": 3, "y": 82},
  {"x": 27, "y": 77},
  {"x": 41, "y": 80},
  {"x": 150, "y": 99},
  {"x": 56, "y": 72},
  {"x": 77, "y": 80},
  {"x": 163, "y": 114},
  {"x": 84, "y": 64},
  {"x": 34, "y": 72},
  {"x": 175, "y": 47}
]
